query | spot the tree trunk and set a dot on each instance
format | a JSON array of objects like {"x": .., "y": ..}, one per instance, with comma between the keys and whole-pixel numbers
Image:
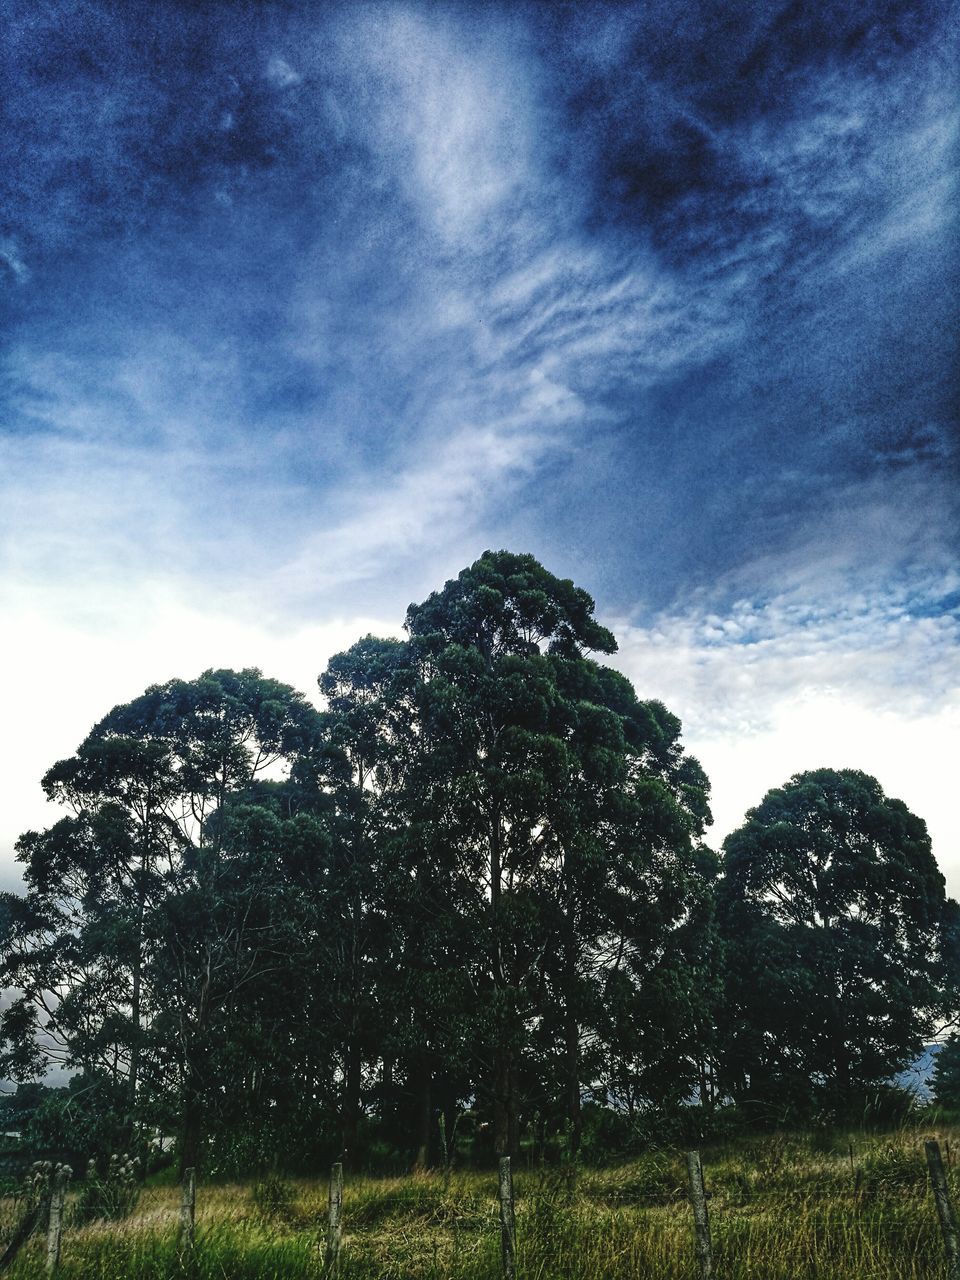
[
  {"x": 501, "y": 1099},
  {"x": 194, "y": 1044},
  {"x": 191, "y": 1127},
  {"x": 135, "y": 998},
  {"x": 424, "y": 1114},
  {"x": 571, "y": 1030},
  {"x": 505, "y": 1121},
  {"x": 387, "y": 1101},
  {"x": 350, "y": 1116},
  {"x": 574, "y": 1113},
  {"x": 841, "y": 1057},
  {"x": 134, "y": 1080},
  {"x": 513, "y": 1107}
]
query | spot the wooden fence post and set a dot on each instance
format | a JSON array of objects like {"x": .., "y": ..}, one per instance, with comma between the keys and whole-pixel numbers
[
  {"x": 334, "y": 1229},
  {"x": 698, "y": 1200},
  {"x": 58, "y": 1196},
  {"x": 508, "y": 1226},
  {"x": 948, "y": 1219},
  {"x": 188, "y": 1209}
]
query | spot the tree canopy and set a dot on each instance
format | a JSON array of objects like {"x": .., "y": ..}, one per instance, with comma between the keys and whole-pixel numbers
[
  {"x": 474, "y": 881},
  {"x": 838, "y": 939}
]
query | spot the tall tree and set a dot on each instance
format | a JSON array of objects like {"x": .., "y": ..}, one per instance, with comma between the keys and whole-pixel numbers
[
  {"x": 367, "y": 723},
  {"x": 836, "y": 925},
  {"x": 573, "y": 808},
  {"x": 404, "y": 931},
  {"x": 155, "y": 909}
]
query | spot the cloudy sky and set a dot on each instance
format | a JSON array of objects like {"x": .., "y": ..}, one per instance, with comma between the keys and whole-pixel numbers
[{"x": 304, "y": 306}]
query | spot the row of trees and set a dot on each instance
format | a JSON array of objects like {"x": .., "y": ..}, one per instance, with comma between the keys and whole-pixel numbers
[{"x": 477, "y": 878}]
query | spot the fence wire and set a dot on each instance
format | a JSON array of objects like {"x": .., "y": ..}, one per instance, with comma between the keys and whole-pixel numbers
[{"x": 872, "y": 1203}]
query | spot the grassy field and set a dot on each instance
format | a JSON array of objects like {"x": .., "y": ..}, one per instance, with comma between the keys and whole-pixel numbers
[{"x": 782, "y": 1207}]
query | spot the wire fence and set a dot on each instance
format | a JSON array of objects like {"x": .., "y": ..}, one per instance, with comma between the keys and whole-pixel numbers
[{"x": 51, "y": 1224}]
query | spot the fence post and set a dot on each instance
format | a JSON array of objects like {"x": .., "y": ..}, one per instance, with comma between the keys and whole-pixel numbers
[
  {"x": 508, "y": 1226},
  {"x": 698, "y": 1200},
  {"x": 948, "y": 1220},
  {"x": 334, "y": 1229},
  {"x": 188, "y": 1208},
  {"x": 58, "y": 1196}
]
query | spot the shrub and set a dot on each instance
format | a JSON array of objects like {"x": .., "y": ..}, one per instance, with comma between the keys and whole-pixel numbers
[
  {"x": 111, "y": 1195},
  {"x": 274, "y": 1199}
]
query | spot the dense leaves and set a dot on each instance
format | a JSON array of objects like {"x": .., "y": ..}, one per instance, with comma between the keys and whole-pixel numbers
[
  {"x": 471, "y": 891},
  {"x": 946, "y": 1073},
  {"x": 838, "y": 951}
]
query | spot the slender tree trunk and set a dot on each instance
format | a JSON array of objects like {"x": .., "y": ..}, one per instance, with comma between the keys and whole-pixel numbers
[
  {"x": 134, "y": 1080},
  {"x": 513, "y": 1107},
  {"x": 505, "y": 1125},
  {"x": 572, "y": 1038},
  {"x": 449, "y": 1108},
  {"x": 194, "y": 1044},
  {"x": 841, "y": 1056},
  {"x": 501, "y": 1098},
  {"x": 353, "y": 1064},
  {"x": 136, "y": 980},
  {"x": 387, "y": 1101},
  {"x": 574, "y": 1113},
  {"x": 191, "y": 1126},
  {"x": 424, "y": 1114},
  {"x": 350, "y": 1118}
]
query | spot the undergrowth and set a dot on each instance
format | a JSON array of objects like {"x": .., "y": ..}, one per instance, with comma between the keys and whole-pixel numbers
[{"x": 785, "y": 1207}]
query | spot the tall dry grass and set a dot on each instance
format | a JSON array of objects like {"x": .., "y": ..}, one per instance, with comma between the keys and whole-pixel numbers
[{"x": 782, "y": 1208}]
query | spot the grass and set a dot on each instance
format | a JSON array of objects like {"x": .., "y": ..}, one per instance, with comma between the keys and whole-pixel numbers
[{"x": 785, "y": 1207}]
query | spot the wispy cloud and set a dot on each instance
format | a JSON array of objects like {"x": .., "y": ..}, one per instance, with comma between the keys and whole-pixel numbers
[
  {"x": 766, "y": 688},
  {"x": 894, "y": 649},
  {"x": 309, "y": 308}
]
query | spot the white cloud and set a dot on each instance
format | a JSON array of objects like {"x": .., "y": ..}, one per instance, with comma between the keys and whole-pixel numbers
[
  {"x": 768, "y": 690},
  {"x": 64, "y": 670},
  {"x": 438, "y": 498},
  {"x": 11, "y": 259},
  {"x": 456, "y": 120},
  {"x": 280, "y": 73}
]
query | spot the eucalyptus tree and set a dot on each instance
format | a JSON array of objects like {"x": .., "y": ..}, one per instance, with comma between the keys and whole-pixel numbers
[
  {"x": 573, "y": 812},
  {"x": 398, "y": 970},
  {"x": 839, "y": 940},
  {"x": 161, "y": 902},
  {"x": 367, "y": 721},
  {"x": 629, "y": 887},
  {"x": 76, "y": 946}
]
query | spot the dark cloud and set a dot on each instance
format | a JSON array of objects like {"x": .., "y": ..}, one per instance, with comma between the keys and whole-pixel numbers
[{"x": 677, "y": 279}]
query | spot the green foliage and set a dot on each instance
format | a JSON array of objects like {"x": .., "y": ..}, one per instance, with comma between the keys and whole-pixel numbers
[
  {"x": 946, "y": 1073},
  {"x": 475, "y": 880},
  {"x": 275, "y": 1199},
  {"x": 836, "y": 936},
  {"x": 110, "y": 1193},
  {"x": 84, "y": 1120},
  {"x": 782, "y": 1207}
]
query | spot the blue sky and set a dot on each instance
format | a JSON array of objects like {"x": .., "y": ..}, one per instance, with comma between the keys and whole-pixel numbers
[{"x": 305, "y": 306}]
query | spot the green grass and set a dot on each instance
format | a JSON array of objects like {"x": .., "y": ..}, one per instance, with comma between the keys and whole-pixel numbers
[{"x": 782, "y": 1208}]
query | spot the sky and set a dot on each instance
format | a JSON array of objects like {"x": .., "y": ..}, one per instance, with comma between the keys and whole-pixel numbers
[{"x": 305, "y": 306}]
